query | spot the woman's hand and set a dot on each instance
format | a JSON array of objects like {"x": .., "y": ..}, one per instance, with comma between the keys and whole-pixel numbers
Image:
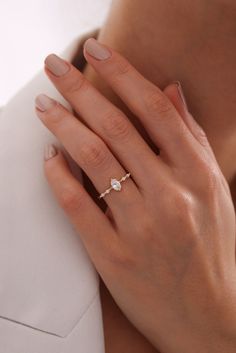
[{"x": 166, "y": 247}]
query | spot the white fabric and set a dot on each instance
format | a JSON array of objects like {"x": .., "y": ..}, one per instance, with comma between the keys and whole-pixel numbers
[
  {"x": 49, "y": 289},
  {"x": 31, "y": 29}
]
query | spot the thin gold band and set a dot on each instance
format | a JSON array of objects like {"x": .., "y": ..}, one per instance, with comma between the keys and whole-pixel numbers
[{"x": 115, "y": 185}]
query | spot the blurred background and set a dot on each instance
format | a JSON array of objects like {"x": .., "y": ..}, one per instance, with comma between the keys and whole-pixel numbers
[{"x": 31, "y": 29}]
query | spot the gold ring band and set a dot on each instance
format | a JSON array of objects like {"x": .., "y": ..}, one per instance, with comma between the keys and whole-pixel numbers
[{"x": 115, "y": 185}]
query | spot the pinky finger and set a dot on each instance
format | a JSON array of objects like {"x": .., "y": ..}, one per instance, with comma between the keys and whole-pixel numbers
[
  {"x": 90, "y": 222},
  {"x": 175, "y": 93}
]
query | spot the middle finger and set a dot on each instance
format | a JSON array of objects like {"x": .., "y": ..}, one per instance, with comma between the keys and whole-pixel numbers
[{"x": 105, "y": 119}]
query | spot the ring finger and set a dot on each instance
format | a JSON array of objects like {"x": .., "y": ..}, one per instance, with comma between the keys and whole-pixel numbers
[{"x": 90, "y": 152}]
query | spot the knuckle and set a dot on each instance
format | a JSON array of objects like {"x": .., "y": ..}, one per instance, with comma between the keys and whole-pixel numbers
[
  {"x": 77, "y": 85},
  {"x": 212, "y": 178},
  {"x": 182, "y": 201},
  {"x": 120, "y": 259},
  {"x": 210, "y": 173},
  {"x": 121, "y": 68},
  {"x": 57, "y": 118},
  {"x": 184, "y": 207},
  {"x": 147, "y": 226},
  {"x": 94, "y": 155},
  {"x": 202, "y": 137},
  {"x": 71, "y": 200},
  {"x": 116, "y": 125},
  {"x": 209, "y": 178},
  {"x": 157, "y": 103}
]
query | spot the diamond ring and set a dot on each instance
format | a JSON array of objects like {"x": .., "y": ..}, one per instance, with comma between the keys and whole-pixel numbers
[{"x": 115, "y": 185}]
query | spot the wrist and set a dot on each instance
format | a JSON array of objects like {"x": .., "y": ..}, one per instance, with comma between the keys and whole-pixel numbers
[{"x": 217, "y": 334}]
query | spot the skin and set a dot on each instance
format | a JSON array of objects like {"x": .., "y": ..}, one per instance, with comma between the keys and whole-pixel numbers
[
  {"x": 170, "y": 40},
  {"x": 165, "y": 41},
  {"x": 209, "y": 97},
  {"x": 193, "y": 299}
]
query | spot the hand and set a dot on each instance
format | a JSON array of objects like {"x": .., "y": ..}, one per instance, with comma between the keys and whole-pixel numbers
[{"x": 166, "y": 249}]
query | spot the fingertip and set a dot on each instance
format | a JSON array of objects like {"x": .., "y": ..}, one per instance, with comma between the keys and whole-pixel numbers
[
  {"x": 96, "y": 50},
  {"x": 48, "y": 58},
  {"x": 50, "y": 151},
  {"x": 181, "y": 94},
  {"x": 55, "y": 162},
  {"x": 56, "y": 65},
  {"x": 53, "y": 155},
  {"x": 175, "y": 93}
]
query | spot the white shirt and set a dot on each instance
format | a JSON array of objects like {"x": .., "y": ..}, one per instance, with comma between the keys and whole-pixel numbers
[{"x": 49, "y": 289}]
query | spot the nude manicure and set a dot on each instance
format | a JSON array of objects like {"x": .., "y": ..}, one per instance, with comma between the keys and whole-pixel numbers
[
  {"x": 43, "y": 102},
  {"x": 96, "y": 49},
  {"x": 181, "y": 94},
  {"x": 56, "y": 65},
  {"x": 50, "y": 151}
]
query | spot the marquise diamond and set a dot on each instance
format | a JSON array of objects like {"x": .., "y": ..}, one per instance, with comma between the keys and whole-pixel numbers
[{"x": 116, "y": 185}]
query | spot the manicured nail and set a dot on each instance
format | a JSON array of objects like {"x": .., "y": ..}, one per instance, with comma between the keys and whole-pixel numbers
[
  {"x": 96, "y": 49},
  {"x": 56, "y": 65},
  {"x": 50, "y": 151},
  {"x": 181, "y": 94},
  {"x": 43, "y": 102}
]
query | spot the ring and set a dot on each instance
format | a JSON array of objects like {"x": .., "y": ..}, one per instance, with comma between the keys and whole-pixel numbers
[{"x": 115, "y": 185}]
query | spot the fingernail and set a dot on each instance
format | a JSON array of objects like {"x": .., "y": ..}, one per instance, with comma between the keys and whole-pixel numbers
[
  {"x": 181, "y": 94},
  {"x": 43, "y": 102},
  {"x": 50, "y": 151},
  {"x": 96, "y": 49},
  {"x": 56, "y": 65}
]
